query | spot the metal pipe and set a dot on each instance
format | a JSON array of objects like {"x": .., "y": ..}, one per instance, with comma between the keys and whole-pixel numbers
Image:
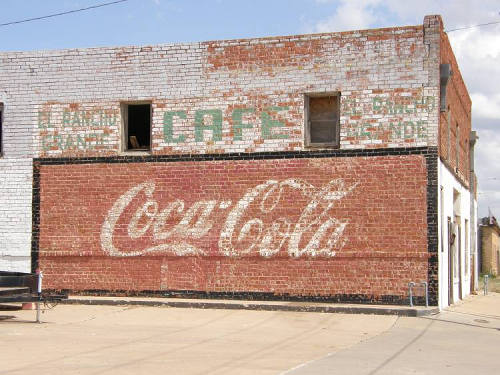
[
  {"x": 486, "y": 279},
  {"x": 425, "y": 285},
  {"x": 411, "y": 284},
  {"x": 40, "y": 277},
  {"x": 39, "y": 290}
]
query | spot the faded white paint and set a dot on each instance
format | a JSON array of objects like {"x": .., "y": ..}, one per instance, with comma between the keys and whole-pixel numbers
[
  {"x": 16, "y": 177},
  {"x": 327, "y": 237}
]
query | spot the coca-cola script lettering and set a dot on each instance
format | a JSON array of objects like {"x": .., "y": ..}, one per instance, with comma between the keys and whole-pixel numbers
[{"x": 290, "y": 216}]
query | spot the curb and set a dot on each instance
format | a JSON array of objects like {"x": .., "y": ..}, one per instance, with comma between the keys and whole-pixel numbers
[{"x": 253, "y": 305}]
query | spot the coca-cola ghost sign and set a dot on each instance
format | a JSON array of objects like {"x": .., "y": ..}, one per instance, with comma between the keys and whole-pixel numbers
[{"x": 290, "y": 216}]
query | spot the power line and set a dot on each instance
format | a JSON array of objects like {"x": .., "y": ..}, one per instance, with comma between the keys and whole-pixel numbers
[
  {"x": 470, "y": 27},
  {"x": 62, "y": 13}
]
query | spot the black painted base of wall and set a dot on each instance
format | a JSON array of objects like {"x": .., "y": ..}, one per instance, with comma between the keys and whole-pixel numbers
[{"x": 251, "y": 296}]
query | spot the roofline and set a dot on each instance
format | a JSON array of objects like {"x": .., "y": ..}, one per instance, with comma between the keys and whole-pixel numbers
[{"x": 278, "y": 38}]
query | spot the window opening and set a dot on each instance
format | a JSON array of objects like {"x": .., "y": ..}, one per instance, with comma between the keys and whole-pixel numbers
[
  {"x": 137, "y": 124},
  {"x": 322, "y": 114}
]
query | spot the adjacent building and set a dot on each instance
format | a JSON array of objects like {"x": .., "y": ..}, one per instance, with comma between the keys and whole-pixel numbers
[
  {"x": 490, "y": 245},
  {"x": 329, "y": 166}
]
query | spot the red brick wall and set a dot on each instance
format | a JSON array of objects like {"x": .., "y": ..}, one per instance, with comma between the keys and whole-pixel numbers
[
  {"x": 459, "y": 112},
  {"x": 314, "y": 226}
]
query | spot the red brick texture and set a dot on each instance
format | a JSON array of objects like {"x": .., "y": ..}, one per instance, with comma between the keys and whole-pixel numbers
[
  {"x": 455, "y": 121},
  {"x": 302, "y": 227}
]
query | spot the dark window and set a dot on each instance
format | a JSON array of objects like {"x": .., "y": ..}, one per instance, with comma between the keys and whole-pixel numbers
[
  {"x": 1, "y": 125},
  {"x": 137, "y": 124},
  {"x": 322, "y": 120}
]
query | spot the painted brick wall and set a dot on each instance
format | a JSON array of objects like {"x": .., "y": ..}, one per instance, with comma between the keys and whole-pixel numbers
[
  {"x": 227, "y": 97},
  {"x": 323, "y": 227},
  {"x": 15, "y": 214},
  {"x": 15, "y": 177},
  {"x": 251, "y": 90}
]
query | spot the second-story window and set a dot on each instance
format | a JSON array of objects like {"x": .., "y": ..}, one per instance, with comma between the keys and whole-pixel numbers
[
  {"x": 137, "y": 126},
  {"x": 322, "y": 115}
]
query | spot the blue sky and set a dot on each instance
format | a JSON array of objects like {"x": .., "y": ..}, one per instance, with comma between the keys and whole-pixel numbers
[
  {"x": 137, "y": 22},
  {"x": 154, "y": 21}
]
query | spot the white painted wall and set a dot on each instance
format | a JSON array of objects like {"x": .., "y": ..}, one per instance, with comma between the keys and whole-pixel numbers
[
  {"x": 16, "y": 170},
  {"x": 447, "y": 184}
]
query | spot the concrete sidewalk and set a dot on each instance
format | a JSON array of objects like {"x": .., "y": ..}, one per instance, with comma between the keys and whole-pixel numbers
[
  {"x": 464, "y": 339},
  {"x": 231, "y": 304}
]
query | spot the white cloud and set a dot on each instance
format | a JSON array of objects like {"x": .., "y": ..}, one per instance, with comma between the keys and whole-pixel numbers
[
  {"x": 384, "y": 13},
  {"x": 488, "y": 171},
  {"x": 486, "y": 106},
  {"x": 456, "y": 13},
  {"x": 478, "y": 54},
  {"x": 353, "y": 14}
]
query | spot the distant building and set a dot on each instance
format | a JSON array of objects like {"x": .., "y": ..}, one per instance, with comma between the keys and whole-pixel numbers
[
  {"x": 490, "y": 250},
  {"x": 330, "y": 166}
]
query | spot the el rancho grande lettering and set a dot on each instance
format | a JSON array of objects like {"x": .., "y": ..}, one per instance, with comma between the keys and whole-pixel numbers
[
  {"x": 401, "y": 118},
  {"x": 76, "y": 129}
]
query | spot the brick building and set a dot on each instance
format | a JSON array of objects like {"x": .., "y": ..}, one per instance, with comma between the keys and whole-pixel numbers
[
  {"x": 489, "y": 245},
  {"x": 331, "y": 166}
]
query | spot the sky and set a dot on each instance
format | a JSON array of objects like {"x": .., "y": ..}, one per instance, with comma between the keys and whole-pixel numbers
[{"x": 138, "y": 22}]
